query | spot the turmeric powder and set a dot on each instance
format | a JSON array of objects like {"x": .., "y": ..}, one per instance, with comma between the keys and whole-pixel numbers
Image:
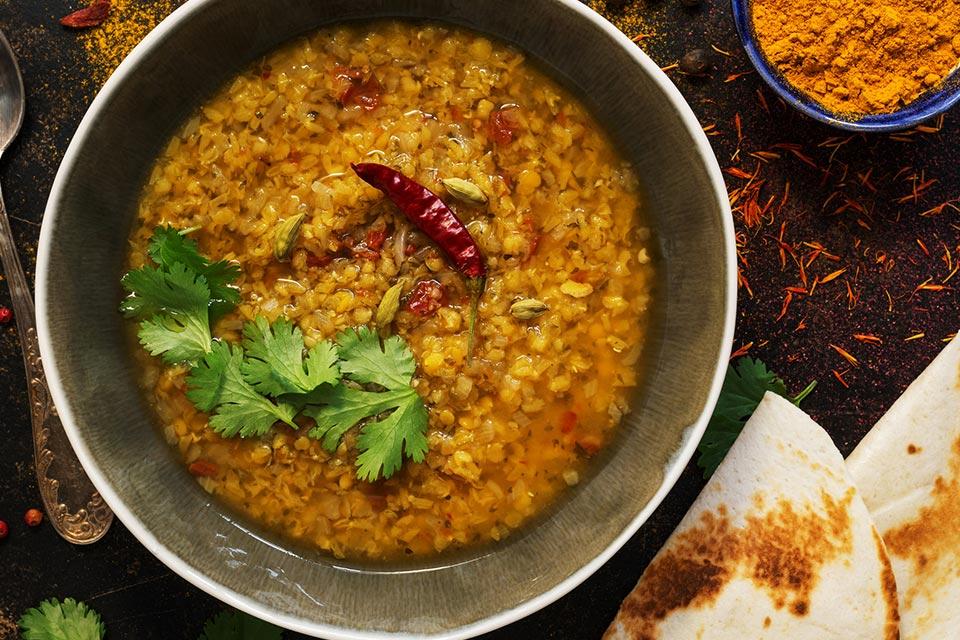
[
  {"x": 858, "y": 57},
  {"x": 128, "y": 23}
]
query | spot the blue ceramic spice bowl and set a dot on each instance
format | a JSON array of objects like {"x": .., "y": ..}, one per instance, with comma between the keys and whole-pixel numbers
[{"x": 928, "y": 105}]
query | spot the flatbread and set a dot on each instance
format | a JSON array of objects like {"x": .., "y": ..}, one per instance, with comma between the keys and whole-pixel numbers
[
  {"x": 778, "y": 545},
  {"x": 908, "y": 471}
]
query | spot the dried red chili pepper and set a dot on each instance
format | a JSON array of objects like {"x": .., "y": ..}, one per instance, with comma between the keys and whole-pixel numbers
[
  {"x": 504, "y": 123},
  {"x": 426, "y": 297},
  {"x": 434, "y": 218},
  {"x": 91, "y": 16}
]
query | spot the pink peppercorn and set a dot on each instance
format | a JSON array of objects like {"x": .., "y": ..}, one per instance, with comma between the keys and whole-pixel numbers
[
  {"x": 5, "y": 315},
  {"x": 4, "y": 530},
  {"x": 33, "y": 517}
]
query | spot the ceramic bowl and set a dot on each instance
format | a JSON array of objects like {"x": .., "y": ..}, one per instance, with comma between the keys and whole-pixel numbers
[
  {"x": 928, "y": 105},
  {"x": 93, "y": 378}
]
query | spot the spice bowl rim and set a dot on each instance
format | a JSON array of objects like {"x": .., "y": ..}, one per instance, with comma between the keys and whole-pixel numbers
[
  {"x": 154, "y": 540},
  {"x": 928, "y": 105}
]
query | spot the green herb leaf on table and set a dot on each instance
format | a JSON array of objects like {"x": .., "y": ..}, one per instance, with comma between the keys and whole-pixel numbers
[
  {"x": 745, "y": 383},
  {"x": 382, "y": 443},
  {"x": 67, "y": 620},
  {"x": 235, "y": 625},
  {"x": 170, "y": 246},
  {"x": 216, "y": 384},
  {"x": 173, "y": 307},
  {"x": 274, "y": 364}
]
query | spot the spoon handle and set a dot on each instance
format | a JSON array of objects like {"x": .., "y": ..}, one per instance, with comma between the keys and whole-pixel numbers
[{"x": 76, "y": 510}]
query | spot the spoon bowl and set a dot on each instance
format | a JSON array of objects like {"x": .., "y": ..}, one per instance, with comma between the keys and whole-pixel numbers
[{"x": 12, "y": 100}]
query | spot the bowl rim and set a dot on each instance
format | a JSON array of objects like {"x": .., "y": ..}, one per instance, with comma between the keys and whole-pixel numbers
[
  {"x": 910, "y": 115},
  {"x": 148, "y": 539}
]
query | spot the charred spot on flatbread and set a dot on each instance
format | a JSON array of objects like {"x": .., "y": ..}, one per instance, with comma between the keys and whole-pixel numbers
[
  {"x": 932, "y": 539},
  {"x": 913, "y": 449},
  {"x": 689, "y": 575},
  {"x": 889, "y": 585},
  {"x": 781, "y": 551},
  {"x": 784, "y": 549}
]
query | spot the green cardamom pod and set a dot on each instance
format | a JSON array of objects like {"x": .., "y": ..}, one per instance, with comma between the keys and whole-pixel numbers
[
  {"x": 389, "y": 305},
  {"x": 465, "y": 191},
  {"x": 286, "y": 237},
  {"x": 528, "y": 309}
]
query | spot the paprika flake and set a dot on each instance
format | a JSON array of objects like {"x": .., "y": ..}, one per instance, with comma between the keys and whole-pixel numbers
[{"x": 91, "y": 16}]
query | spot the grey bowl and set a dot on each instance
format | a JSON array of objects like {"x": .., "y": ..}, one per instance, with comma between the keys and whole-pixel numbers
[{"x": 84, "y": 238}]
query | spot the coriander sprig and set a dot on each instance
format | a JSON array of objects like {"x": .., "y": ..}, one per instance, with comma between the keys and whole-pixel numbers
[
  {"x": 272, "y": 377},
  {"x": 382, "y": 443},
  {"x": 177, "y": 299},
  {"x": 53, "y": 619},
  {"x": 72, "y": 620}
]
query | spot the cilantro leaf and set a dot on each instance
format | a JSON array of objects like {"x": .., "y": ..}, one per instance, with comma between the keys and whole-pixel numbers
[
  {"x": 169, "y": 246},
  {"x": 235, "y": 625},
  {"x": 274, "y": 362},
  {"x": 382, "y": 442},
  {"x": 174, "y": 304},
  {"x": 743, "y": 387},
  {"x": 217, "y": 384},
  {"x": 364, "y": 361},
  {"x": 346, "y": 406},
  {"x": 67, "y": 620}
]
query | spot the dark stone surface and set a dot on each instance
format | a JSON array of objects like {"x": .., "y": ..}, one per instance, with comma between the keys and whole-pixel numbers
[{"x": 879, "y": 237}]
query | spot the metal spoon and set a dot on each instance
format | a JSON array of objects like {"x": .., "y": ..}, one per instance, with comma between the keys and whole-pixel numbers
[{"x": 74, "y": 507}]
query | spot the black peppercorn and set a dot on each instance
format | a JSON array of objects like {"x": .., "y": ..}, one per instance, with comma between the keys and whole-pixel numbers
[{"x": 696, "y": 62}]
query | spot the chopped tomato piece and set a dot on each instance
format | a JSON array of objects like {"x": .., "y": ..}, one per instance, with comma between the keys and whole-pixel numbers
[
  {"x": 568, "y": 420},
  {"x": 504, "y": 123},
  {"x": 313, "y": 260},
  {"x": 364, "y": 94},
  {"x": 534, "y": 235},
  {"x": 375, "y": 238},
  {"x": 203, "y": 468},
  {"x": 426, "y": 298},
  {"x": 589, "y": 444},
  {"x": 343, "y": 72},
  {"x": 366, "y": 254}
]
